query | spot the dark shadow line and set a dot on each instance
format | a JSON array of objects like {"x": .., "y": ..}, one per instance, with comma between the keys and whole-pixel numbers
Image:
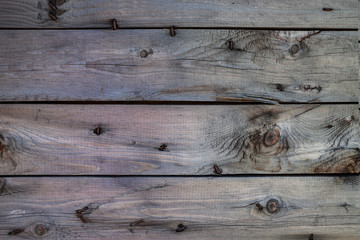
[
  {"x": 195, "y": 28},
  {"x": 171, "y": 103},
  {"x": 192, "y": 176}
]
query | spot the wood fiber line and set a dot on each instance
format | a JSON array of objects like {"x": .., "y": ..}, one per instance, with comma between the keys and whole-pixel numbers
[
  {"x": 203, "y": 13},
  {"x": 194, "y": 65},
  {"x": 180, "y": 208},
  {"x": 178, "y": 139}
]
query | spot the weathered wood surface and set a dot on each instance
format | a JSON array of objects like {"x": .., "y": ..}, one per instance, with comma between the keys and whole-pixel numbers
[
  {"x": 179, "y": 139},
  {"x": 210, "y": 208},
  {"x": 195, "y": 65},
  {"x": 204, "y": 13}
]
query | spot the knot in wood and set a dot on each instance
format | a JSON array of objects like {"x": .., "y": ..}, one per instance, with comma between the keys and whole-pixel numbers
[
  {"x": 143, "y": 54},
  {"x": 40, "y": 230},
  {"x": 273, "y": 206},
  {"x": 271, "y": 137},
  {"x": 294, "y": 49}
]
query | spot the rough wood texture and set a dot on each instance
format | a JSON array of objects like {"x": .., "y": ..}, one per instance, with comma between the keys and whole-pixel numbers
[
  {"x": 195, "y": 65},
  {"x": 202, "y": 13},
  {"x": 177, "y": 140},
  {"x": 153, "y": 208}
]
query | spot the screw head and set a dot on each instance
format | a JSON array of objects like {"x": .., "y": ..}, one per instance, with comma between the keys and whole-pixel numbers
[
  {"x": 273, "y": 206},
  {"x": 271, "y": 137}
]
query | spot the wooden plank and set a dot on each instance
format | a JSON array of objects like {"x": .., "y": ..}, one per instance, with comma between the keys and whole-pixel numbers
[
  {"x": 203, "y": 13},
  {"x": 153, "y": 208},
  {"x": 195, "y": 65},
  {"x": 179, "y": 139}
]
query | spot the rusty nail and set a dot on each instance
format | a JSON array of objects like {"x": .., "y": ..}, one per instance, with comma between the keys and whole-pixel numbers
[
  {"x": 52, "y": 16},
  {"x": 217, "y": 170},
  {"x": 180, "y": 228},
  {"x": 16, "y": 231},
  {"x": 40, "y": 229},
  {"x": 143, "y": 54},
  {"x": 271, "y": 137},
  {"x": 172, "y": 31},
  {"x": 272, "y": 206},
  {"x": 114, "y": 24},
  {"x": 231, "y": 45},
  {"x": 258, "y": 205}
]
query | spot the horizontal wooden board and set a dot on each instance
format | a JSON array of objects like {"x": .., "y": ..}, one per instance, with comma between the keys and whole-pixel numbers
[
  {"x": 207, "y": 208},
  {"x": 202, "y": 13},
  {"x": 195, "y": 65},
  {"x": 178, "y": 139}
]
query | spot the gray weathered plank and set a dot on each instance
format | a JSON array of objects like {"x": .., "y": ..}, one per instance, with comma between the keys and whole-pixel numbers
[
  {"x": 202, "y": 13},
  {"x": 210, "y": 208},
  {"x": 178, "y": 139},
  {"x": 195, "y": 65}
]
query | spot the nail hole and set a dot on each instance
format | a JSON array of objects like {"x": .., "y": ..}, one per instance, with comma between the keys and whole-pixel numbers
[
  {"x": 327, "y": 9},
  {"x": 162, "y": 147},
  {"x": 279, "y": 87},
  {"x": 217, "y": 170},
  {"x": 98, "y": 130},
  {"x": 180, "y": 228}
]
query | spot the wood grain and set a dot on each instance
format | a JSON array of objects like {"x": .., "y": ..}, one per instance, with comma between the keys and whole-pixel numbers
[
  {"x": 195, "y": 65},
  {"x": 203, "y": 13},
  {"x": 152, "y": 208},
  {"x": 178, "y": 139}
]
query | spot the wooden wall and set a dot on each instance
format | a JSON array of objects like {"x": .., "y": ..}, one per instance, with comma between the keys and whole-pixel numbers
[{"x": 207, "y": 119}]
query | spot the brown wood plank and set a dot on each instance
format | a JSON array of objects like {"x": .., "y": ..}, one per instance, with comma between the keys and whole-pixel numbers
[
  {"x": 153, "y": 208},
  {"x": 178, "y": 139},
  {"x": 195, "y": 65},
  {"x": 203, "y": 13}
]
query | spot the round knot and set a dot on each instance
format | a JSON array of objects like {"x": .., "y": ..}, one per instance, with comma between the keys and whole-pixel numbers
[
  {"x": 40, "y": 230},
  {"x": 295, "y": 49},
  {"x": 273, "y": 206},
  {"x": 271, "y": 137},
  {"x": 143, "y": 54}
]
